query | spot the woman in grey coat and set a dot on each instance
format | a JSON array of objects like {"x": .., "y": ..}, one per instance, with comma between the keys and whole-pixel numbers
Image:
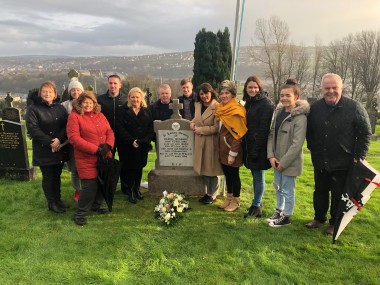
[{"x": 284, "y": 150}]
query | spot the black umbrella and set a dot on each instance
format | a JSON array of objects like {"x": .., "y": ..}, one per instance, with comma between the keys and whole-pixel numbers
[
  {"x": 361, "y": 180},
  {"x": 108, "y": 175}
]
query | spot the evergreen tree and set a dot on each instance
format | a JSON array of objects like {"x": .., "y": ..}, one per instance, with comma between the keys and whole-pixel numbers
[
  {"x": 225, "y": 49},
  {"x": 212, "y": 57}
]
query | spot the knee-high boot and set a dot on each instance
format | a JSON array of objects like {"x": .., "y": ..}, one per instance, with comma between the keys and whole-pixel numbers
[
  {"x": 131, "y": 195},
  {"x": 136, "y": 190}
]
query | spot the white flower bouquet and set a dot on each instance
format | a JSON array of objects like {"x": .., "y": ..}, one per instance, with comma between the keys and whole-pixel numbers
[{"x": 170, "y": 207}]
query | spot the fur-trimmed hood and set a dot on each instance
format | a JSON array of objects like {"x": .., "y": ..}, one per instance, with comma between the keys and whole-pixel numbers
[
  {"x": 78, "y": 108},
  {"x": 302, "y": 108}
]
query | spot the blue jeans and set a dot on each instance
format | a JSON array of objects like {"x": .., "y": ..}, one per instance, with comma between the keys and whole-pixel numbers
[
  {"x": 258, "y": 186},
  {"x": 285, "y": 195}
]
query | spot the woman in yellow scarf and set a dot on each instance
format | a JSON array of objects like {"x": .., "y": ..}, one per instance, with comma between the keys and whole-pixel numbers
[{"x": 232, "y": 127}]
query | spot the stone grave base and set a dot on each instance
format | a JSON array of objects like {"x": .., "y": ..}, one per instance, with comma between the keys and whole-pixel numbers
[
  {"x": 19, "y": 174},
  {"x": 180, "y": 181},
  {"x": 374, "y": 137}
]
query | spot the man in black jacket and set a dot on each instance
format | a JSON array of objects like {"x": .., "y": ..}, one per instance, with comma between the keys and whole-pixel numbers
[
  {"x": 338, "y": 135},
  {"x": 187, "y": 99},
  {"x": 160, "y": 109},
  {"x": 112, "y": 100},
  {"x": 111, "y": 103}
]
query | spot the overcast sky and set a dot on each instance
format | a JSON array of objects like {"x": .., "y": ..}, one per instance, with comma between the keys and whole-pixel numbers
[{"x": 131, "y": 27}]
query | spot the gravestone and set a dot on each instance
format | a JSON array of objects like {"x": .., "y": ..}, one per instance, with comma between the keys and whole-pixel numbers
[
  {"x": 173, "y": 170},
  {"x": 14, "y": 161},
  {"x": 372, "y": 114}
]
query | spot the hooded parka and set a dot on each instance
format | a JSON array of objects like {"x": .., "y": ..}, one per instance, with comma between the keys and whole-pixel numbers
[{"x": 287, "y": 145}]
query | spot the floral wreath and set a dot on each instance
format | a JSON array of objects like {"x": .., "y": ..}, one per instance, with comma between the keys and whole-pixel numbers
[{"x": 170, "y": 207}]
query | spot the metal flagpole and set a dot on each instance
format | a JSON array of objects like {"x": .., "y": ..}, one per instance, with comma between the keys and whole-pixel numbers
[{"x": 237, "y": 34}]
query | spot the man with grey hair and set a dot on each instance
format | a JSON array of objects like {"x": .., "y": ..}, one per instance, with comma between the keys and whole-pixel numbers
[
  {"x": 160, "y": 109},
  {"x": 338, "y": 135}
]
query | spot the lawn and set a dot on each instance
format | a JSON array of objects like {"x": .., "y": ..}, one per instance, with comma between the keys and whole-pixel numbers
[{"x": 206, "y": 246}]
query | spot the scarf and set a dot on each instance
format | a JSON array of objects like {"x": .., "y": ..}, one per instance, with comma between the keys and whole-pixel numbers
[{"x": 233, "y": 117}]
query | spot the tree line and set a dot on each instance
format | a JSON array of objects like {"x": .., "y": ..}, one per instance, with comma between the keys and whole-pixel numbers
[{"x": 356, "y": 58}]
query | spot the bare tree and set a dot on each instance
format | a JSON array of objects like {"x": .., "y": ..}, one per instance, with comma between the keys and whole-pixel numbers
[
  {"x": 337, "y": 56},
  {"x": 297, "y": 64},
  {"x": 316, "y": 68},
  {"x": 367, "y": 46},
  {"x": 272, "y": 36},
  {"x": 353, "y": 69},
  {"x": 283, "y": 59}
]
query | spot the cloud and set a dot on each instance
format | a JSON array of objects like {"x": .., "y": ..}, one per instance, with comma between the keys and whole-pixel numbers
[{"x": 131, "y": 27}]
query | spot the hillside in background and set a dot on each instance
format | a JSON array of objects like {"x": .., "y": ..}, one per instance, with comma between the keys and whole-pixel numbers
[{"x": 166, "y": 66}]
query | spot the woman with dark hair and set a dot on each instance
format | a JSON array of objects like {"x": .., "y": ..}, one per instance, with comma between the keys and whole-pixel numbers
[
  {"x": 91, "y": 136},
  {"x": 205, "y": 128},
  {"x": 231, "y": 116},
  {"x": 259, "y": 116},
  {"x": 46, "y": 123},
  {"x": 285, "y": 143},
  {"x": 135, "y": 133}
]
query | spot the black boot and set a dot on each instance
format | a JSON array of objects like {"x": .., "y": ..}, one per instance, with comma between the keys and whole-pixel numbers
[
  {"x": 131, "y": 195},
  {"x": 254, "y": 211},
  {"x": 137, "y": 192},
  {"x": 62, "y": 205},
  {"x": 53, "y": 206}
]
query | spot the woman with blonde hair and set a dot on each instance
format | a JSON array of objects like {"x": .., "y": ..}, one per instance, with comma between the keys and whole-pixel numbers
[
  {"x": 135, "y": 133},
  {"x": 91, "y": 136},
  {"x": 46, "y": 123}
]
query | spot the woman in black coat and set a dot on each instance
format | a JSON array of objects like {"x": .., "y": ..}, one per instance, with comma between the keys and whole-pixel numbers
[
  {"x": 135, "y": 133},
  {"x": 46, "y": 123},
  {"x": 259, "y": 116}
]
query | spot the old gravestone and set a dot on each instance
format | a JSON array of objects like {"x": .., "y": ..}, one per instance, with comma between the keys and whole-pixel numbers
[
  {"x": 14, "y": 162},
  {"x": 174, "y": 163}
]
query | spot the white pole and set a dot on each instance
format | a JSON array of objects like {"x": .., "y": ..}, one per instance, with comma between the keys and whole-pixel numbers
[
  {"x": 237, "y": 34},
  {"x": 235, "y": 42}
]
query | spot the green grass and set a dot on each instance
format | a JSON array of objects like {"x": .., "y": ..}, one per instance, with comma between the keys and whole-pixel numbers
[{"x": 207, "y": 246}]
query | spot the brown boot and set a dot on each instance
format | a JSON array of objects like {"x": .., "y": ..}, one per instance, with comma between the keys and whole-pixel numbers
[
  {"x": 234, "y": 204},
  {"x": 226, "y": 202}
]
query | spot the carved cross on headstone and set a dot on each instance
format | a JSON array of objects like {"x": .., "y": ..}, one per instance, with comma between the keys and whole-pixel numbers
[
  {"x": 9, "y": 99},
  {"x": 176, "y": 106},
  {"x": 73, "y": 73},
  {"x": 2, "y": 125}
]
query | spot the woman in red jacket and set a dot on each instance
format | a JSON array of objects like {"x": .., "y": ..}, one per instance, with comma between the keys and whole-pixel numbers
[{"x": 91, "y": 135}]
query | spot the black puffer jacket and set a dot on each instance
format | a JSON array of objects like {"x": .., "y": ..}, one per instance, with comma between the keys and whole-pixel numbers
[
  {"x": 259, "y": 116},
  {"x": 337, "y": 134},
  {"x": 133, "y": 127},
  {"x": 44, "y": 123},
  {"x": 111, "y": 107}
]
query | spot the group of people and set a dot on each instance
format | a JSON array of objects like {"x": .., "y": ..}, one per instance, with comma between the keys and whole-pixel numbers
[{"x": 228, "y": 133}]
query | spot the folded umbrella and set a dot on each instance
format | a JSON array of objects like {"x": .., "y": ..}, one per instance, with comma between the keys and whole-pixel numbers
[
  {"x": 361, "y": 180},
  {"x": 108, "y": 176}
]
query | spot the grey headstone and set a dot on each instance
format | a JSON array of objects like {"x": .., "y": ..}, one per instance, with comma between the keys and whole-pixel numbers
[{"x": 174, "y": 164}]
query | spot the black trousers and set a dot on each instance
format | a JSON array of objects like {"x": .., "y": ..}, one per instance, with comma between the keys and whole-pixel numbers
[
  {"x": 132, "y": 178},
  {"x": 51, "y": 182},
  {"x": 326, "y": 182},
  {"x": 233, "y": 182}
]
